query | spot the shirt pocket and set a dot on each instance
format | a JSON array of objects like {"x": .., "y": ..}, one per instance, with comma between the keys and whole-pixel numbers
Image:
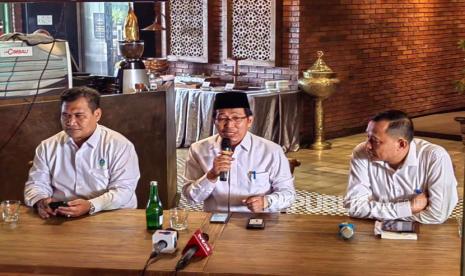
[
  {"x": 260, "y": 183},
  {"x": 99, "y": 177}
]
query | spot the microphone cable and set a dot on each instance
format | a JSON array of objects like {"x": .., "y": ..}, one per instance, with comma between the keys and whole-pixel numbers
[
  {"x": 152, "y": 256},
  {"x": 147, "y": 263},
  {"x": 12, "y": 72},
  {"x": 185, "y": 259},
  {"x": 229, "y": 187},
  {"x": 229, "y": 193},
  {"x": 32, "y": 102},
  {"x": 188, "y": 255}
]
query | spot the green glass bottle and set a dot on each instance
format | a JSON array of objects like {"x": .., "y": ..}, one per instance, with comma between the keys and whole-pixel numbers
[{"x": 154, "y": 211}]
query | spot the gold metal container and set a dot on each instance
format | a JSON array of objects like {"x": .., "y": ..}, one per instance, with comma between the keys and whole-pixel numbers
[{"x": 321, "y": 82}]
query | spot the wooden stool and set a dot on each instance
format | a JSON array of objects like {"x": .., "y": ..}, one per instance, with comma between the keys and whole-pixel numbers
[{"x": 293, "y": 163}]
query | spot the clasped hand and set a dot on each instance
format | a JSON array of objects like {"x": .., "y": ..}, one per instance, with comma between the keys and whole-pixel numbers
[
  {"x": 255, "y": 203},
  {"x": 418, "y": 203},
  {"x": 76, "y": 208}
]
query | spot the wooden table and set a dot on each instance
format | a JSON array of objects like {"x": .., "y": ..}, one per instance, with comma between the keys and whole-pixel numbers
[
  {"x": 309, "y": 245},
  {"x": 116, "y": 243},
  {"x": 113, "y": 243}
]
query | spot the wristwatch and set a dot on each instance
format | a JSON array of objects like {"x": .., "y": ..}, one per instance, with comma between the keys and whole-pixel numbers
[
  {"x": 92, "y": 208},
  {"x": 269, "y": 201}
]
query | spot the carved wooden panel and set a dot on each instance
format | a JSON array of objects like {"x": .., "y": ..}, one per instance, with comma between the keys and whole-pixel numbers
[
  {"x": 249, "y": 28},
  {"x": 251, "y": 35},
  {"x": 188, "y": 26}
]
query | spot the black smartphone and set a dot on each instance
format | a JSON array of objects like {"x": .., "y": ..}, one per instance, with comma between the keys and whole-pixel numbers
[
  {"x": 399, "y": 226},
  {"x": 255, "y": 223},
  {"x": 56, "y": 204}
]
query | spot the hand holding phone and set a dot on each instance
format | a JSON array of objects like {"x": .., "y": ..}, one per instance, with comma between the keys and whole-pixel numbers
[{"x": 54, "y": 205}]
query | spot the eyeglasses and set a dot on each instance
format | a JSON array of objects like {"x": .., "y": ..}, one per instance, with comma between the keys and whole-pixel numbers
[{"x": 235, "y": 120}]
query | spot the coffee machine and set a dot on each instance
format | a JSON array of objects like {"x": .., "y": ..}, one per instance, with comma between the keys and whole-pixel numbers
[{"x": 132, "y": 76}]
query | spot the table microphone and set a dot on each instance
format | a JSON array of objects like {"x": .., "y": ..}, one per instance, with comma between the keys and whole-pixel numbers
[
  {"x": 346, "y": 230},
  {"x": 225, "y": 146},
  {"x": 196, "y": 246},
  {"x": 164, "y": 241}
]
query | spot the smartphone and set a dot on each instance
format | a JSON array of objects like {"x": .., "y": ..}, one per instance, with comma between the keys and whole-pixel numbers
[
  {"x": 255, "y": 223},
  {"x": 54, "y": 205},
  {"x": 219, "y": 218},
  {"x": 399, "y": 226}
]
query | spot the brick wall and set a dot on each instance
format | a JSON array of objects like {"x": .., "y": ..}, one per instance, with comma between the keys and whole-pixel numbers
[{"x": 388, "y": 54}]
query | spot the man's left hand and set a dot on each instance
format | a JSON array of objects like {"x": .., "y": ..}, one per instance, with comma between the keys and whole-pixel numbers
[
  {"x": 256, "y": 203},
  {"x": 418, "y": 203},
  {"x": 76, "y": 208}
]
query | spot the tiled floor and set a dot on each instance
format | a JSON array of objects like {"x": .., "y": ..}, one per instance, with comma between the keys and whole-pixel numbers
[{"x": 326, "y": 172}]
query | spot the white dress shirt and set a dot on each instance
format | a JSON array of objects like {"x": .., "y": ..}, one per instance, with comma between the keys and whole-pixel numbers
[
  {"x": 259, "y": 168},
  {"x": 377, "y": 191},
  {"x": 104, "y": 170}
]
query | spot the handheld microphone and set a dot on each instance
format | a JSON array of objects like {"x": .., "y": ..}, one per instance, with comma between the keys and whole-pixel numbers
[
  {"x": 196, "y": 246},
  {"x": 164, "y": 241},
  {"x": 225, "y": 146},
  {"x": 346, "y": 230}
]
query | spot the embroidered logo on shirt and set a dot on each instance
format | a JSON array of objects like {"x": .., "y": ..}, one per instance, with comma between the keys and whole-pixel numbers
[{"x": 102, "y": 163}]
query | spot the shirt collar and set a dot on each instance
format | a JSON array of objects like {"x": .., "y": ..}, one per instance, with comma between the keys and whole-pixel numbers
[
  {"x": 93, "y": 139},
  {"x": 411, "y": 159},
  {"x": 245, "y": 144}
]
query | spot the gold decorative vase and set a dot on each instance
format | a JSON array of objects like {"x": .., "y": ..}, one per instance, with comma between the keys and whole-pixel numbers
[{"x": 321, "y": 82}]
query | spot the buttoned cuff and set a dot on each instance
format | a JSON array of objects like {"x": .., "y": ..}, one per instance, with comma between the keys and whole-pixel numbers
[
  {"x": 403, "y": 209},
  {"x": 270, "y": 199},
  {"x": 33, "y": 201},
  {"x": 205, "y": 185},
  {"x": 97, "y": 205}
]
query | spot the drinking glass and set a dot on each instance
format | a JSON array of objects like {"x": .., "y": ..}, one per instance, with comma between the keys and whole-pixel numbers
[
  {"x": 10, "y": 210},
  {"x": 178, "y": 218}
]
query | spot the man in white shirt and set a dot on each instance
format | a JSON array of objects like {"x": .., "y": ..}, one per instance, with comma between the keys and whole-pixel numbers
[
  {"x": 260, "y": 179},
  {"x": 394, "y": 176},
  {"x": 89, "y": 166}
]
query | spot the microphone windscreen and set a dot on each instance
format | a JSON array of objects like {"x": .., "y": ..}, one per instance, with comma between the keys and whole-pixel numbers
[
  {"x": 206, "y": 236},
  {"x": 226, "y": 144}
]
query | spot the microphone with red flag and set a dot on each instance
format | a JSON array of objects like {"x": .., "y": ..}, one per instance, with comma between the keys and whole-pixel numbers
[{"x": 197, "y": 246}]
